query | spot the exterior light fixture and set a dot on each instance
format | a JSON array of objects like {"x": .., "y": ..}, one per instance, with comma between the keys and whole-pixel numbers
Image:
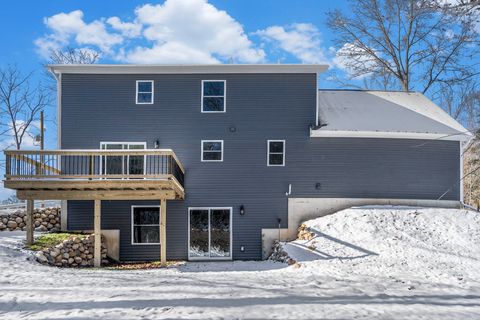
[
  {"x": 242, "y": 210},
  {"x": 157, "y": 144}
]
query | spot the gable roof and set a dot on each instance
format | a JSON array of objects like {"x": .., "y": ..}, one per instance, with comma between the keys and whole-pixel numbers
[{"x": 384, "y": 114}]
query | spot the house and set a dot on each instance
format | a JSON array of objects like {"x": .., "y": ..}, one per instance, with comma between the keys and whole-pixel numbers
[{"x": 214, "y": 162}]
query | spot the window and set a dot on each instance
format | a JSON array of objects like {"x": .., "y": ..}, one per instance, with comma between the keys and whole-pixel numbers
[
  {"x": 212, "y": 150},
  {"x": 276, "y": 152},
  {"x": 213, "y": 95},
  {"x": 123, "y": 164},
  {"x": 210, "y": 234},
  {"x": 144, "y": 92},
  {"x": 145, "y": 225}
]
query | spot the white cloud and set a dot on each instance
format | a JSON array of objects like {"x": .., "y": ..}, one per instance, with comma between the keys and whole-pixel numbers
[
  {"x": 127, "y": 29},
  {"x": 176, "y": 31},
  {"x": 66, "y": 27},
  {"x": 197, "y": 29},
  {"x": 351, "y": 54},
  {"x": 302, "y": 40}
]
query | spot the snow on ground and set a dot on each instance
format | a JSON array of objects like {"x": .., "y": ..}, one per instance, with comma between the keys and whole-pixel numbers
[{"x": 370, "y": 263}]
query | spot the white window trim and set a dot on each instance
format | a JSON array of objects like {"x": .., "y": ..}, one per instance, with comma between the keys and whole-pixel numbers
[
  {"x": 137, "y": 92},
  {"x": 231, "y": 233},
  {"x": 224, "y": 96},
  {"x": 268, "y": 153},
  {"x": 103, "y": 159},
  {"x": 131, "y": 225},
  {"x": 201, "y": 154}
]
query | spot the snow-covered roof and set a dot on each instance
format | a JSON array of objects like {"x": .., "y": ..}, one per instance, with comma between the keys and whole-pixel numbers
[{"x": 384, "y": 114}]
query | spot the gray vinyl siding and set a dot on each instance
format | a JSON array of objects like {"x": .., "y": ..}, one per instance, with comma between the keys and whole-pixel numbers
[{"x": 260, "y": 106}]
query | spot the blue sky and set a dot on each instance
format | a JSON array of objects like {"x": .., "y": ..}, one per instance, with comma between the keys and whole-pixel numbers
[{"x": 171, "y": 31}]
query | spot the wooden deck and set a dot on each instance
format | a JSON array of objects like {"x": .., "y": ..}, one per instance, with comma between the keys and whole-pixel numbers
[{"x": 95, "y": 174}]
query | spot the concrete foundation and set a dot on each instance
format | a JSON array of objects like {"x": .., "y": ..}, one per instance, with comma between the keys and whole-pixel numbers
[{"x": 302, "y": 209}]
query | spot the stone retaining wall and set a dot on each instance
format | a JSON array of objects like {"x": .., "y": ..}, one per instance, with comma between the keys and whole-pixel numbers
[
  {"x": 44, "y": 219},
  {"x": 76, "y": 251}
]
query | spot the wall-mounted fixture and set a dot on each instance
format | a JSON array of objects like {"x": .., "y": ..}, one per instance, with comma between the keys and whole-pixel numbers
[
  {"x": 156, "y": 144},
  {"x": 318, "y": 186},
  {"x": 289, "y": 192},
  {"x": 242, "y": 210},
  {"x": 242, "y": 248},
  {"x": 232, "y": 129}
]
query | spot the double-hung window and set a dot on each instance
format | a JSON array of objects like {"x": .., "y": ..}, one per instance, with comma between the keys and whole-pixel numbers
[
  {"x": 145, "y": 225},
  {"x": 213, "y": 95},
  {"x": 144, "y": 92},
  {"x": 212, "y": 150},
  {"x": 276, "y": 152}
]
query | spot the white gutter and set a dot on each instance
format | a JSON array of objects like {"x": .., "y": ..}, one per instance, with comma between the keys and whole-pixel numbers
[{"x": 386, "y": 134}]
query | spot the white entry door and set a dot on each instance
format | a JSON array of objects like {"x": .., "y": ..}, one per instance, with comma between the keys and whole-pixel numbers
[{"x": 210, "y": 233}]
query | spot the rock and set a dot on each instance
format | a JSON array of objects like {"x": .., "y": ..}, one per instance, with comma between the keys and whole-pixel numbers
[
  {"x": 78, "y": 259},
  {"x": 44, "y": 223},
  {"x": 54, "y": 252},
  {"x": 21, "y": 225},
  {"x": 2, "y": 226},
  {"x": 70, "y": 260},
  {"x": 66, "y": 255},
  {"x": 4, "y": 220},
  {"x": 75, "y": 246},
  {"x": 49, "y": 226},
  {"x": 12, "y": 225},
  {"x": 41, "y": 228},
  {"x": 20, "y": 214},
  {"x": 37, "y": 223},
  {"x": 51, "y": 216},
  {"x": 41, "y": 257}
]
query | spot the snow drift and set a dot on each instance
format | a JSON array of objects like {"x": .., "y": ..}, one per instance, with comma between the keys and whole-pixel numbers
[{"x": 430, "y": 243}]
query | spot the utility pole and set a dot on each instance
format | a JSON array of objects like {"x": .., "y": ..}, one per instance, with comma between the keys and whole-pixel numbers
[{"x": 42, "y": 146}]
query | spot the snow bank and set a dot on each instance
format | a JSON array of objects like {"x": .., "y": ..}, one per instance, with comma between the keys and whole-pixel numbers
[{"x": 435, "y": 244}]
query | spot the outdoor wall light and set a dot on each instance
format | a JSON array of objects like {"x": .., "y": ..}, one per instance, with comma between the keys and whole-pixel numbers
[
  {"x": 242, "y": 210},
  {"x": 157, "y": 144}
]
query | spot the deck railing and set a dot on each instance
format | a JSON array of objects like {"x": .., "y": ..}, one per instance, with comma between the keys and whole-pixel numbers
[{"x": 93, "y": 164}]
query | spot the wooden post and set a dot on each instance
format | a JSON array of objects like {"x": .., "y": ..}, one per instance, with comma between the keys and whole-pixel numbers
[
  {"x": 29, "y": 221},
  {"x": 97, "y": 255},
  {"x": 163, "y": 232}
]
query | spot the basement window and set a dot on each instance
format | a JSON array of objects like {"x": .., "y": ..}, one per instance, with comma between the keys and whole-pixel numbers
[
  {"x": 145, "y": 225},
  {"x": 212, "y": 150},
  {"x": 144, "y": 93},
  {"x": 276, "y": 152},
  {"x": 213, "y": 96}
]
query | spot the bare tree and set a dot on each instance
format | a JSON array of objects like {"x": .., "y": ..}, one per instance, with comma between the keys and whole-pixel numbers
[
  {"x": 421, "y": 44},
  {"x": 20, "y": 104},
  {"x": 71, "y": 55}
]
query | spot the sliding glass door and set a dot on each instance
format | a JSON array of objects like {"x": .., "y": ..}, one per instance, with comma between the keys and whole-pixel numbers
[
  {"x": 123, "y": 164},
  {"x": 210, "y": 233}
]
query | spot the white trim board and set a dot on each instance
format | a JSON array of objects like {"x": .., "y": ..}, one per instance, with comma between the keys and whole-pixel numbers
[
  {"x": 185, "y": 68},
  {"x": 383, "y": 134}
]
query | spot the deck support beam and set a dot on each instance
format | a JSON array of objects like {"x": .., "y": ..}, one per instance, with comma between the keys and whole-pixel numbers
[
  {"x": 97, "y": 254},
  {"x": 29, "y": 221},
  {"x": 163, "y": 232}
]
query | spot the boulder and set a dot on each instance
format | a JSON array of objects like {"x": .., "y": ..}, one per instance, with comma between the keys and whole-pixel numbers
[
  {"x": 41, "y": 257},
  {"x": 11, "y": 224}
]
